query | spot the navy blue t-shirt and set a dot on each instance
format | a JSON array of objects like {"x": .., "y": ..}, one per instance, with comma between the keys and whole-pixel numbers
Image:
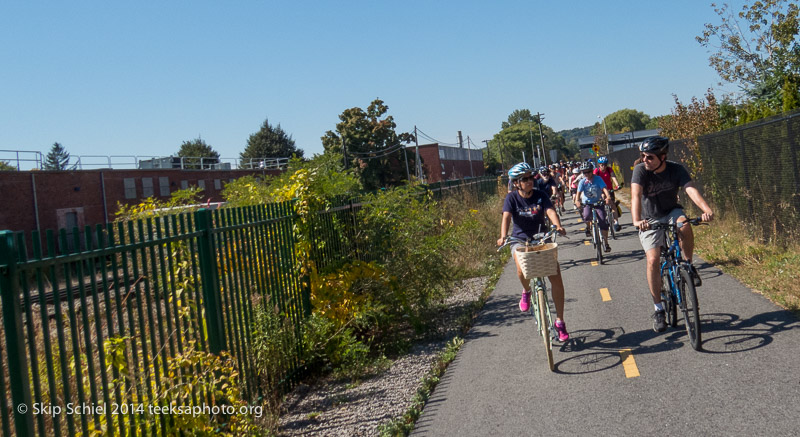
[
  {"x": 546, "y": 185},
  {"x": 528, "y": 214}
]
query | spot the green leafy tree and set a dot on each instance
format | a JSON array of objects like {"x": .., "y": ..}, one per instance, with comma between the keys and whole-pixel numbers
[
  {"x": 371, "y": 145},
  {"x": 624, "y": 120},
  {"x": 521, "y": 134},
  {"x": 57, "y": 159},
  {"x": 270, "y": 142},
  {"x": 5, "y": 166},
  {"x": 194, "y": 150},
  {"x": 757, "y": 49},
  {"x": 519, "y": 116}
]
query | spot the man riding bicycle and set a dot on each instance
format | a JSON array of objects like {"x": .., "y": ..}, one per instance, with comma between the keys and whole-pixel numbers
[
  {"x": 547, "y": 184},
  {"x": 591, "y": 190},
  {"x": 654, "y": 195},
  {"x": 607, "y": 173},
  {"x": 528, "y": 206}
]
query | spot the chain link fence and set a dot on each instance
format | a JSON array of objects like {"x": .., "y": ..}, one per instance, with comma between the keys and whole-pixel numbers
[{"x": 747, "y": 173}]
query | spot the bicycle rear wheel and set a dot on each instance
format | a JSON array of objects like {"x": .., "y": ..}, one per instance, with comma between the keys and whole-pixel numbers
[
  {"x": 610, "y": 218},
  {"x": 544, "y": 325},
  {"x": 690, "y": 308}
]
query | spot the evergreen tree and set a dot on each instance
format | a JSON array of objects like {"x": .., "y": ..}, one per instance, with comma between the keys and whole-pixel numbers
[
  {"x": 195, "y": 150},
  {"x": 270, "y": 142},
  {"x": 57, "y": 159}
]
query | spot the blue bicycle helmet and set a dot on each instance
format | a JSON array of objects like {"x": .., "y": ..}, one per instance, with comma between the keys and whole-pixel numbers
[
  {"x": 518, "y": 170},
  {"x": 602, "y": 160},
  {"x": 544, "y": 170}
]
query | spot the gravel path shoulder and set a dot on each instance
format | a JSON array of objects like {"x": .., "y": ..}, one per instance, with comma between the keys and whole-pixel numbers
[{"x": 334, "y": 408}]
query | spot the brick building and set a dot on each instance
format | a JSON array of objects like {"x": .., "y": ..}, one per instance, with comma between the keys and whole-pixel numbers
[
  {"x": 441, "y": 163},
  {"x": 40, "y": 200}
]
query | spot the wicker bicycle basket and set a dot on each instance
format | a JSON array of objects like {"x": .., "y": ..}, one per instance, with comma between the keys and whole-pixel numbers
[{"x": 538, "y": 261}]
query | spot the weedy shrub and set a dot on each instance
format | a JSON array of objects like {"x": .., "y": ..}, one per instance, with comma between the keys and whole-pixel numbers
[
  {"x": 199, "y": 394},
  {"x": 409, "y": 236}
]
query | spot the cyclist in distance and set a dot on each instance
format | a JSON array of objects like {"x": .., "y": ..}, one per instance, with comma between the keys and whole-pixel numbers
[
  {"x": 573, "y": 185},
  {"x": 592, "y": 189},
  {"x": 528, "y": 206},
  {"x": 607, "y": 173},
  {"x": 654, "y": 199},
  {"x": 547, "y": 184}
]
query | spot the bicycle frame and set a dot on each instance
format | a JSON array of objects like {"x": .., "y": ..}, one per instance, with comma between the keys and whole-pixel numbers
[
  {"x": 680, "y": 289},
  {"x": 671, "y": 262},
  {"x": 597, "y": 235}
]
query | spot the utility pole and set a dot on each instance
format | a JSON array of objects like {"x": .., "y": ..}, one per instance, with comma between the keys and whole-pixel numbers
[
  {"x": 533, "y": 151},
  {"x": 344, "y": 152},
  {"x": 487, "y": 149},
  {"x": 539, "y": 118},
  {"x": 419, "y": 165},
  {"x": 502, "y": 161},
  {"x": 405, "y": 155},
  {"x": 469, "y": 157}
]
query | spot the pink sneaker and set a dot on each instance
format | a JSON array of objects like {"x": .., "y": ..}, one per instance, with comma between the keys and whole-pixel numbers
[
  {"x": 525, "y": 301},
  {"x": 561, "y": 328}
]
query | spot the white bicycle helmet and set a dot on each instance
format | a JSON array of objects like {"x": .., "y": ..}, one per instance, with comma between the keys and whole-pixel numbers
[{"x": 518, "y": 170}]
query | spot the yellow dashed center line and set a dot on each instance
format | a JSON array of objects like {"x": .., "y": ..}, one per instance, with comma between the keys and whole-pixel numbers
[
  {"x": 588, "y": 243},
  {"x": 604, "y": 294},
  {"x": 629, "y": 364},
  {"x": 594, "y": 263}
]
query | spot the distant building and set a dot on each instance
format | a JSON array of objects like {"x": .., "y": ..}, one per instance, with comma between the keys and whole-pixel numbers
[
  {"x": 440, "y": 163},
  {"x": 40, "y": 200},
  {"x": 625, "y": 140}
]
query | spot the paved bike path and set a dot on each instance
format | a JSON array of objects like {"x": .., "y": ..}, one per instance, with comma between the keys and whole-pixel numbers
[{"x": 745, "y": 382}]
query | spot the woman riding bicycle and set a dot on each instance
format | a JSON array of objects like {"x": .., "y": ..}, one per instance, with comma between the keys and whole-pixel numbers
[
  {"x": 591, "y": 190},
  {"x": 607, "y": 173},
  {"x": 528, "y": 206}
]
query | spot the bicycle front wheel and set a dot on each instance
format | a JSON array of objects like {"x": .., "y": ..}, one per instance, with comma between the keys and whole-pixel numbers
[
  {"x": 599, "y": 245},
  {"x": 690, "y": 308},
  {"x": 544, "y": 326}
]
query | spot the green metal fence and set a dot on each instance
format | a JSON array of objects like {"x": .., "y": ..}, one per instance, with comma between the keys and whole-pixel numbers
[{"x": 130, "y": 295}]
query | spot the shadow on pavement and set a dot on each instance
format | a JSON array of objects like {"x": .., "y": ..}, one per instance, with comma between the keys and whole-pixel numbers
[
  {"x": 599, "y": 349},
  {"x": 498, "y": 311},
  {"x": 728, "y": 333}
]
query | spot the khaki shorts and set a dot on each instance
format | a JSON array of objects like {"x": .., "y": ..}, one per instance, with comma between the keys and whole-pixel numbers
[{"x": 654, "y": 238}]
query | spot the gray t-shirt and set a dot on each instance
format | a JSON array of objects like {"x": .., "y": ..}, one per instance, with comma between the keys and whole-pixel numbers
[{"x": 660, "y": 190}]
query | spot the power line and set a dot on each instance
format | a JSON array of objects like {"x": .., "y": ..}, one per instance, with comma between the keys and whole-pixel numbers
[
  {"x": 430, "y": 138},
  {"x": 389, "y": 149}
]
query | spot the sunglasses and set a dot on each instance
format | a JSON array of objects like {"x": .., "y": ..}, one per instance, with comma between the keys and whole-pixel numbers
[
  {"x": 587, "y": 172},
  {"x": 648, "y": 157},
  {"x": 526, "y": 179}
]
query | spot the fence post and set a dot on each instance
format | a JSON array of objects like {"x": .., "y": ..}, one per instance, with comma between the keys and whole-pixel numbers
[
  {"x": 18, "y": 375},
  {"x": 208, "y": 276}
]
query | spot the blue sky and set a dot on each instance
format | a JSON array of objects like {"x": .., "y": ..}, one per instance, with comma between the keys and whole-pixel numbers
[{"x": 139, "y": 78}]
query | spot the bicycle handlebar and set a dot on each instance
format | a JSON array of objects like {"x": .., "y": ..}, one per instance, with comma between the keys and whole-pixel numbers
[
  {"x": 666, "y": 226},
  {"x": 542, "y": 237},
  {"x": 611, "y": 190}
]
